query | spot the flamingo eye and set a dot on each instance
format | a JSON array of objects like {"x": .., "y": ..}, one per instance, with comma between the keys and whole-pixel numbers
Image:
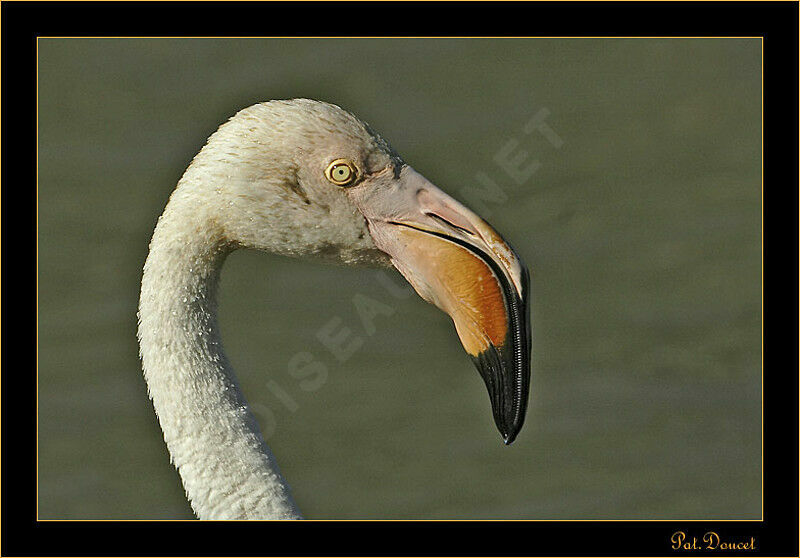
[{"x": 341, "y": 172}]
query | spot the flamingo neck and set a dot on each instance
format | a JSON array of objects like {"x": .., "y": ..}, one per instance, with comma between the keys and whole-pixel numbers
[{"x": 213, "y": 439}]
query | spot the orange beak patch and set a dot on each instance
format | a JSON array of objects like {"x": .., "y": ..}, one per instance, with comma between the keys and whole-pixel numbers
[{"x": 459, "y": 283}]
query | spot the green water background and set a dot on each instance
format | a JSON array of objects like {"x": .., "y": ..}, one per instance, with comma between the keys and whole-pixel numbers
[{"x": 642, "y": 230}]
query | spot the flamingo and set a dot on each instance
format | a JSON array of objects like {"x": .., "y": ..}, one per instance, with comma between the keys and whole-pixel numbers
[{"x": 306, "y": 178}]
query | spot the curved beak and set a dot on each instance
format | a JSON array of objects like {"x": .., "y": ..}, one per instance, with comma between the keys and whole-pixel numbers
[{"x": 459, "y": 263}]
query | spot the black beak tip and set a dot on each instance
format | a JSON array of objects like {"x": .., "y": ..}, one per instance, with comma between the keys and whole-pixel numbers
[
  {"x": 507, "y": 382},
  {"x": 510, "y": 435}
]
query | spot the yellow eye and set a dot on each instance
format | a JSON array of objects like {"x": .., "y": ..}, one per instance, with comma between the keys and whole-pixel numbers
[{"x": 341, "y": 172}]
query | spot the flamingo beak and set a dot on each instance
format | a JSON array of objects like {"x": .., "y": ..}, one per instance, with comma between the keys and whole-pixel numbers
[{"x": 459, "y": 263}]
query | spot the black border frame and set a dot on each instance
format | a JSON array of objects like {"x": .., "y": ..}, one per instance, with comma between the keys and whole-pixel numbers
[{"x": 22, "y": 22}]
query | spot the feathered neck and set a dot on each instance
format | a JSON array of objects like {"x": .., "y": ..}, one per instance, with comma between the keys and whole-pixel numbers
[{"x": 213, "y": 439}]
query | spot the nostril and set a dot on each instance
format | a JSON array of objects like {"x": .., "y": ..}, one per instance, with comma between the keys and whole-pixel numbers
[
  {"x": 441, "y": 207},
  {"x": 448, "y": 223}
]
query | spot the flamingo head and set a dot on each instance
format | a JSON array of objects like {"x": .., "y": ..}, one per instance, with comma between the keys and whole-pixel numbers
[{"x": 306, "y": 178}]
